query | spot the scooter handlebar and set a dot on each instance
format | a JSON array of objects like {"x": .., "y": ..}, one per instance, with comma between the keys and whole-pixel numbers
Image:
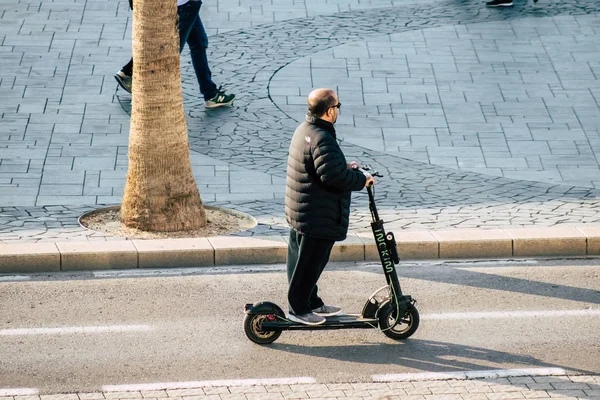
[{"x": 367, "y": 171}]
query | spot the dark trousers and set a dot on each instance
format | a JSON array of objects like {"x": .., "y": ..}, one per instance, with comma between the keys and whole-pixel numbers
[
  {"x": 128, "y": 68},
  {"x": 306, "y": 260},
  {"x": 191, "y": 31}
]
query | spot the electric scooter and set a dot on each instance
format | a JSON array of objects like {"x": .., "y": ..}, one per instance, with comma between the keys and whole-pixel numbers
[{"x": 388, "y": 309}]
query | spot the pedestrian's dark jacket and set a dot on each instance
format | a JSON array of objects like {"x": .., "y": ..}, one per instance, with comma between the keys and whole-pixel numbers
[{"x": 319, "y": 182}]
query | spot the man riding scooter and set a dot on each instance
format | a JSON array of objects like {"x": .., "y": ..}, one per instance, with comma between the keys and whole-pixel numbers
[{"x": 317, "y": 204}]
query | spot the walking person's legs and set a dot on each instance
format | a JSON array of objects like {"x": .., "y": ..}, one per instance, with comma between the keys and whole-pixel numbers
[
  {"x": 128, "y": 68},
  {"x": 124, "y": 76},
  {"x": 192, "y": 32}
]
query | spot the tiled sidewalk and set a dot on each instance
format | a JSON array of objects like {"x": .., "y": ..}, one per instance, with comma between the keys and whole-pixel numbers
[{"x": 536, "y": 387}]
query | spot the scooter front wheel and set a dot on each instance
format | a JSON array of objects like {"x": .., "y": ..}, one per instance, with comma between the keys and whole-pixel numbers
[
  {"x": 253, "y": 328},
  {"x": 395, "y": 327}
]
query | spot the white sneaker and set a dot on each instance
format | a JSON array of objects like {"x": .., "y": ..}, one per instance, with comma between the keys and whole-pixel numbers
[
  {"x": 307, "y": 319},
  {"x": 327, "y": 311}
]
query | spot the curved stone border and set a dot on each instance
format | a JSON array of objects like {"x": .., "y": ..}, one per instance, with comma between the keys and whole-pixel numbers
[{"x": 207, "y": 207}]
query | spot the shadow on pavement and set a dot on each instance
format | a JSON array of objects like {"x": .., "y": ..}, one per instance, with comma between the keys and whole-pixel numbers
[
  {"x": 487, "y": 280},
  {"x": 423, "y": 355},
  {"x": 464, "y": 275}
]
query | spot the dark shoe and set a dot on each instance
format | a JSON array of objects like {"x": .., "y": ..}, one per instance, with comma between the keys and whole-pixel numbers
[
  {"x": 499, "y": 3},
  {"x": 327, "y": 311},
  {"x": 307, "y": 319},
  {"x": 124, "y": 80},
  {"x": 220, "y": 99}
]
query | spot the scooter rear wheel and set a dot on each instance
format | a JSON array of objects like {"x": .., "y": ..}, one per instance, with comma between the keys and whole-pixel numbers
[
  {"x": 398, "y": 328},
  {"x": 254, "y": 331}
]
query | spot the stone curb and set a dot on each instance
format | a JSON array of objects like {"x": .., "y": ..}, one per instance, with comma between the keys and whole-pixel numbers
[{"x": 232, "y": 250}]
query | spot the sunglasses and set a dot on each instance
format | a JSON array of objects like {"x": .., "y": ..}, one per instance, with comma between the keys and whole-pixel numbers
[{"x": 338, "y": 105}]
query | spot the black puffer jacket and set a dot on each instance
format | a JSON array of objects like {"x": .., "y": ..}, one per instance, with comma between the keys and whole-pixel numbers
[{"x": 319, "y": 182}]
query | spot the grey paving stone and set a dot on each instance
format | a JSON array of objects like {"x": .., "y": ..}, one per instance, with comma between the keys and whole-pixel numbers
[
  {"x": 63, "y": 177},
  {"x": 532, "y": 175},
  {"x": 65, "y": 200},
  {"x": 528, "y": 148},
  {"x": 380, "y": 122},
  {"x": 511, "y": 162},
  {"x": 426, "y": 122},
  {"x": 93, "y": 163},
  {"x": 109, "y": 200},
  {"x": 60, "y": 190}
]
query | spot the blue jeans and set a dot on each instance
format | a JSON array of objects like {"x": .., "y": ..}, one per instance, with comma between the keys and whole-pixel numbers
[{"x": 191, "y": 31}]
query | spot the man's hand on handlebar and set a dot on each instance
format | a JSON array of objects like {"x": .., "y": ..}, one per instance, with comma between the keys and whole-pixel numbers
[
  {"x": 353, "y": 165},
  {"x": 365, "y": 170}
]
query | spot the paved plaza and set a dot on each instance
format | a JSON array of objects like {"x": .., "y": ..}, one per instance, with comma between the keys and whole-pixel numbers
[{"x": 477, "y": 117}]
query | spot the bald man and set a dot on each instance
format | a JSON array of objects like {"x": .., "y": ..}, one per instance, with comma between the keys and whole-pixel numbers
[{"x": 317, "y": 204}]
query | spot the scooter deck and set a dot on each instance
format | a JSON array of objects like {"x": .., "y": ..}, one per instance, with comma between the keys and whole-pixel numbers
[{"x": 341, "y": 321}]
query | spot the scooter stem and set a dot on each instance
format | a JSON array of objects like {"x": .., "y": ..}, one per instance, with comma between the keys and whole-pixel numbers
[{"x": 372, "y": 206}]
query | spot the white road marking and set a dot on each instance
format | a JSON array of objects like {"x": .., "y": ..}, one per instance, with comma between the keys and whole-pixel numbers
[
  {"x": 493, "y": 373},
  {"x": 512, "y": 314},
  {"x": 68, "y": 330},
  {"x": 473, "y": 263},
  {"x": 202, "y": 384},
  {"x": 18, "y": 392}
]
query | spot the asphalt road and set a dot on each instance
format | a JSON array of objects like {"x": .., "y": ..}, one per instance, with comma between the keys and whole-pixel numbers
[{"x": 79, "y": 332}]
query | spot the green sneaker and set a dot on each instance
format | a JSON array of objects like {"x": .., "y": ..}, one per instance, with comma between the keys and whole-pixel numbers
[{"x": 220, "y": 99}]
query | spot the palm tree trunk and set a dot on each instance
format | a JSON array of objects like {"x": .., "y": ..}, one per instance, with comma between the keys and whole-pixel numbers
[{"x": 160, "y": 193}]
